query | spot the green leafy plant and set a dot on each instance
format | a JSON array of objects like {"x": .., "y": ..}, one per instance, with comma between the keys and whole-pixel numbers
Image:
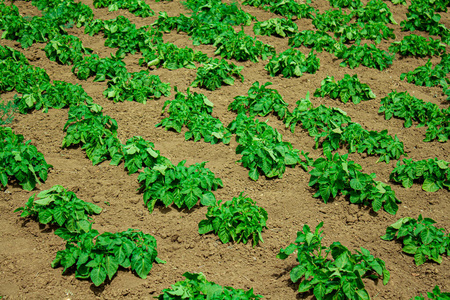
[
  {"x": 433, "y": 173},
  {"x": 7, "y": 111},
  {"x": 237, "y": 220},
  {"x": 292, "y": 62},
  {"x": 367, "y": 55},
  {"x": 211, "y": 12},
  {"x": 195, "y": 286},
  {"x": 403, "y": 105},
  {"x": 338, "y": 277},
  {"x": 60, "y": 206},
  {"x": 138, "y": 86},
  {"x": 335, "y": 174},
  {"x": 20, "y": 161},
  {"x": 436, "y": 294},
  {"x": 291, "y": 8},
  {"x": 97, "y": 134},
  {"x": 354, "y": 4},
  {"x": 263, "y": 149},
  {"x": 194, "y": 110},
  {"x": 181, "y": 185},
  {"x": 66, "y": 49},
  {"x": 101, "y": 68},
  {"x": 10, "y": 53},
  {"x": 420, "y": 238},
  {"x": 375, "y": 11},
  {"x": 427, "y": 76},
  {"x": 137, "y": 7},
  {"x": 422, "y": 16},
  {"x": 331, "y": 20},
  {"x": 102, "y": 258},
  {"x": 316, "y": 40},
  {"x": 139, "y": 153},
  {"x": 276, "y": 26},
  {"x": 260, "y": 101},
  {"x": 215, "y": 72},
  {"x": 364, "y": 30},
  {"x": 242, "y": 47},
  {"x": 349, "y": 88},
  {"x": 171, "y": 57},
  {"x": 416, "y": 45},
  {"x": 58, "y": 95}
]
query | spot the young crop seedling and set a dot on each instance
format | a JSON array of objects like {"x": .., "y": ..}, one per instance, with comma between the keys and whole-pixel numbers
[
  {"x": 292, "y": 62},
  {"x": 423, "y": 17},
  {"x": 416, "y": 45},
  {"x": 276, "y": 26},
  {"x": 367, "y": 55},
  {"x": 138, "y": 86},
  {"x": 420, "y": 238},
  {"x": 237, "y": 220},
  {"x": 137, "y": 7},
  {"x": 349, "y": 88},
  {"x": 436, "y": 294},
  {"x": 403, "y": 105},
  {"x": 364, "y": 30},
  {"x": 316, "y": 40},
  {"x": 20, "y": 161},
  {"x": 215, "y": 72},
  {"x": 335, "y": 174},
  {"x": 375, "y": 11},
  {"x": 434, "y": 174},
  {"x": 260, "y": 101},
  {"x": 139, "y": 153},
  {"x": 171, "y": 57},
  {"x": 195, "y": 286},
  {"x": 60, "y": 206},
  {"x": 263, "y": 149},
  {"x": 181, "y": 185},
  {"x": 97, "y": 256},
  {"x": 242, "y": 47},
  {"x": 338, "y": 277},
  {"x": 101, "y": 68},
  {"x": 331, "y": 20},
  {"x": 427, "y": 76},
  {"x": 66, "y": 49},
  {"x": 194, "y": 111},
  {"x": 97, "y": 134}
]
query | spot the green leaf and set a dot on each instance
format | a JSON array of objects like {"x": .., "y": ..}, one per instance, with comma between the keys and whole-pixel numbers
[
  {"x": 98, "y": 275},
  {"x": 429, "y": 185}
]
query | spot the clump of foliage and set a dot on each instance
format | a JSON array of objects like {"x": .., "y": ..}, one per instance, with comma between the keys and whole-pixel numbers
[
  {"x": 416, "y": 45},
  {"x": 349, "y": 88},
  {"x": 138, "y": 86},
  {"x": 195, "y": 286},
  {"x": 367, "y": 55},
  {"x": 260, "y": 101},
  {"x": 337, "y": 278},
  {"x": 263, "y": 149},
  {"x": 427, "y": 76},
  {"x": 60, "y": 206},
  {"x": 331, "y": 20},
  {"x": 181, "y": 185},
  {"x": 139, "y": 153},
  {"x": 403, "y": 105},
  {"x": 7, "y": 111},
  {"x": 20, "y": 161},
  {"x": 213, "y": 73},
  {"x": 242, "y": 47},
  {"x": 422, "y": 16},
  {"x": 432, "y": 172},
  {"x": 354, "y": 4},
  {"x": 276, "y": 26},
  {"x": 286, "y": 8},
  {"x": 436, "y": 294},
  {"x": 194, "y": 110},
  {"x": 293, "y": 62},
  {"x": 137, "y": 7},
  {"x": 101, "y": 68},
  {"x": 218, "y": 12},
  {"x": 66, "y": 49},
  {"x": 97, "y": 134},
  {"x": 58, "y": 95},
  {"x": 237, "y": 220},
  {"x": 316, "y": 40},
  {"x": 375, "y": 11},
  {"x": 97, "y": 256},
  {"x": 336, "y": 174},
  {"x": 420, "y": 238},
  {"x": 171, "y": 57},
  {"x": 364, "y": 30}
]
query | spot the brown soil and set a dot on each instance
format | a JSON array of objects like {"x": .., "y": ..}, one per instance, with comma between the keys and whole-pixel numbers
[{"x": 28, "y": 248}]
